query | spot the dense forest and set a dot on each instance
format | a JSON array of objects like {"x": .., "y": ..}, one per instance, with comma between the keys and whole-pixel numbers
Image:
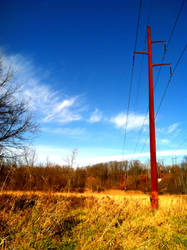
[{"x": 126, "y": 175}]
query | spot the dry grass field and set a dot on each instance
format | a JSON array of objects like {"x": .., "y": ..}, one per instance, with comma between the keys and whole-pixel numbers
[{"x": 111, "y": 220}]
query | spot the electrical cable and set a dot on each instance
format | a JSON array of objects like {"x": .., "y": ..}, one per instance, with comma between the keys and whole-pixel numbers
[
  {"x": 162, "y": 60},
  {"x": 145, "y": 118},
  {"x": 140, "y": 72},
  {"x": 131, "y": 77},
  {"x": 166, "y": 88},
  {"x": 168, "y": 42}
]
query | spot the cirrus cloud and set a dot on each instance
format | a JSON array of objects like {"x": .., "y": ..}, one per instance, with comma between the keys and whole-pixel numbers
[
  {"x": 96, "y": 116},
  {"x": 172, "y": 128},
  {"x": 48, "y": 104},
  {"x": 134, "y": 121}
]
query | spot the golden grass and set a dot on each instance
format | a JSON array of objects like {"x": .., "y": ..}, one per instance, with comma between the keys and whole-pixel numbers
[{"x": 111, "y": 220}]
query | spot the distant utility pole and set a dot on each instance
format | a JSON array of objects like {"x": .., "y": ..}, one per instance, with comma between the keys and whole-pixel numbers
[
  {"x": 121, "y": 184},
  {"x": 154, "y": 177},
  {"x": 125, "y": 182},
  {"x": 161, "y": 165},
  {"x": 162, "y": 168},
  {"x": 174, "y": 163}
]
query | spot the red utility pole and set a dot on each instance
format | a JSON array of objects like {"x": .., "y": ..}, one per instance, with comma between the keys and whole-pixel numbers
[
  {"x": 154, "y": 177},
  {"x": 146, "y": 181},
  {"x": 121, "y": 185},
  {"x": 162, "y": 168},
  {"x": 125, "y": 182},
  {"x": 142, "y": 181},
  {"x": 174, "y": 163}
]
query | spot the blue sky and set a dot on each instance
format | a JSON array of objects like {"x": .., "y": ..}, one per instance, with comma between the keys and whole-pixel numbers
[{"x": 73, "y": 61}]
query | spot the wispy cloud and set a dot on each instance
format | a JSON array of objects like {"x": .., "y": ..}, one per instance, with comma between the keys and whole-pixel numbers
[
  {"x": 96, "y": 116},
  {"x": 64, "y": 112},
  {"x": 135, "y": 121},
  {"x": 72, "y": 132},
  {"x": 172, "y": 128},
  {"x": 145, "y": 141},
  {"x": 164, "y": 141},
  {"x": 51, "y": 105}
]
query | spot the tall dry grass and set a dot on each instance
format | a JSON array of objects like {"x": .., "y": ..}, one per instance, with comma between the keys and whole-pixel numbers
[{"x": 91, "y": 221}]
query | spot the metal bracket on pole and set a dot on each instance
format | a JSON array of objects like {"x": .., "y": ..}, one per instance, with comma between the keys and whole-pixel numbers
[
  {"x": 162, "y": 64},
  {"x": 165, "y": 47},
  {"x": 145, "y": 53},
  {"x": 162, "y": 41}
]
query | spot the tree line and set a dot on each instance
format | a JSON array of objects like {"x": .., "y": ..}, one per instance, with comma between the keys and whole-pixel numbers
[
  {"x": 124, "y": 175},
  {"x": 18, "y": 171}
]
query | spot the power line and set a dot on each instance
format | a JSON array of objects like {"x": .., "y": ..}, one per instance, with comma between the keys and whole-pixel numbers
[
  {"x": 162, "y": 60},
  {"x": 140, "y": 73},
  {"x": 166, "y": 88},
  {"x": 181, "y": 144},
  {"x": 145, "y": 118},
  {"x": 176, "y": 20},
  {"x": 143, "y": 58},
  {"x": 182, "y": 140},
  {"x": 141, "y": 130},
  {"x": 169, "y": 41},
  {"x": 150, "y": 12},
  {"x": 132, "y": 76}
]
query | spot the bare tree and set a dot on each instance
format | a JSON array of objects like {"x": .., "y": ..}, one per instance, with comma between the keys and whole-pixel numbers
[
  {"x": 70, "y": 160},
  {"x": 135, "y": 170},
  {"x": 16, "y": 122},
  {"x": 29, "y": 156},
  {"x": 28, "y": 160}
]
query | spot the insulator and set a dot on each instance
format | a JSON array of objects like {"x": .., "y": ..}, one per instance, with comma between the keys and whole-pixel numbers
[
  {"x": 165, "y": 47},
  {"x": 171, "y": 71}
]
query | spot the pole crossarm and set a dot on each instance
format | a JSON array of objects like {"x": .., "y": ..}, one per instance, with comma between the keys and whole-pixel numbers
[
  {"x": 162, "y": 41},
  {"x": 145, "y": 53},
  {"x": 161, "y": 64}
]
